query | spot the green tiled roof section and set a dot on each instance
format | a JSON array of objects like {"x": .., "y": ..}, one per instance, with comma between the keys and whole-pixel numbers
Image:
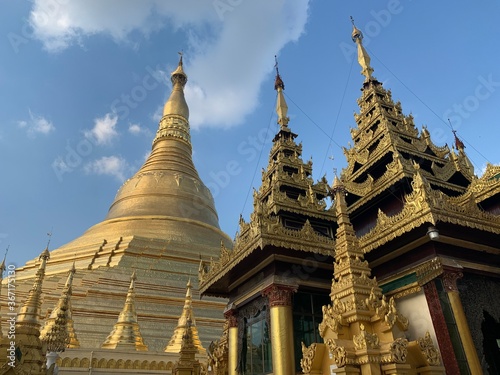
[
  {"x": 495, "y": 177},
  {"x": 399, "y": 283}
]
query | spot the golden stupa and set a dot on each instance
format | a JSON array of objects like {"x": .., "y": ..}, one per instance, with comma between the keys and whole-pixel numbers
[{"x": 161, "y": 223}]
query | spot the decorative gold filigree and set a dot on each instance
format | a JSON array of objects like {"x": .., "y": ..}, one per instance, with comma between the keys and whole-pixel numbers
[
  {"x": 339, "y": 354},
  {"x": 308, "y": 354},
  {"x": 427, "y": 347},
  {"x": 399, "y": 350},
  {"x": 366, "y": 340}
]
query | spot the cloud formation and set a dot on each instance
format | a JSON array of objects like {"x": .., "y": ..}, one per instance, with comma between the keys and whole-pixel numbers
[
  {"x": 115, "y": 166},
  {"x": 104, "y": 130},
  {"x": 36, "y": 125},
  {"x": 231, "y": 43}
]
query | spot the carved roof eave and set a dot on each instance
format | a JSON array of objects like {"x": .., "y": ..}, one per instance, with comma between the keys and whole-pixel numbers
[
  {"x": 303, "y": 240},
  {"x": 488, "y": 185},
  {"x": 317, "y": 212},
  {"x": 396, "y": 170},
  {"x": 425, "y": 205},
  {"x": 424, "y": 273}
]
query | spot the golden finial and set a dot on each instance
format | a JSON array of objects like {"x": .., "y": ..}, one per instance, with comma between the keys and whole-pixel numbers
[
  {"x": 281, "y": 106},
  {"x": 363, "y": 57},
  {"x": 2, "y": 265},
  {"x": 278, "y": 82}
]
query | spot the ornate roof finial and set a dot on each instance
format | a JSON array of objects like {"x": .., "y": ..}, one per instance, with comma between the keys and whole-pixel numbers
[
  {"x": 363, "y": 57},
  {"x": 126, "y": 333},
  {"x": 56, "y": 332},
  {"x": 2, "y": 265},
  {"x": 186, "y": 323},
  {"x": 281, "y": 106},
  {"x": 176, "y": 103},
  {"x": 31, "y": 308}
]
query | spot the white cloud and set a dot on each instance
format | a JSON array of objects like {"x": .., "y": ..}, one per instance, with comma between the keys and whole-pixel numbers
[
  {"x": 137, "y": 129},
  {"x": 113, "y": 165},
  {"x": 36, "y": 125},
  {"x": 230, "y": 51},
  {"x": 104, "y": 130}
]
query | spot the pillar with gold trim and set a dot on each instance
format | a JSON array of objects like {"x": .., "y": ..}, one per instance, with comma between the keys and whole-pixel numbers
[
  {"x": 232, "y": 362},
  {"x": 280, "y": 309},
  {"x": 450, "y": 277}
]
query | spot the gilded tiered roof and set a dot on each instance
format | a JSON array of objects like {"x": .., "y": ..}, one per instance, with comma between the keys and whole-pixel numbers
[
  {"x": 399, "y": 180},
  {"x": 290, "y": 210},
  {"x": 387, "y": 145}
]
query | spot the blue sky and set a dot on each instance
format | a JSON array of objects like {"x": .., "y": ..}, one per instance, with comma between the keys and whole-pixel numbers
[{"x": 82, "y": 83}]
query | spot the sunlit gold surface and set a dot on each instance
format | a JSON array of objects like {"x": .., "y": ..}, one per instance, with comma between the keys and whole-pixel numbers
[
  {"x": 282, "y": 340},
  {"x": 161, "y": 222},
  {"x": 185, "y": 326},
  {"x": 126, "y": 333},
  {"x": 233, "y": 351},
  {"x": 464, "y": 332}
]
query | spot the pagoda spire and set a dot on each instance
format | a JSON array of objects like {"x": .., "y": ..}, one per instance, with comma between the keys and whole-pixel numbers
[
  {"x": 175, "y": 119},
  {"x": 28, "y": 314},
  {"x": 281, "y": 106},
  {"x": 185, "y": 326},
  {"x": 126, "y": 333},
  {"x": 363, "y": 57},
  {"x": 2, "y": 270},
  {"x": 56, "y": 332},
  {"x": 29, "y": 357}
]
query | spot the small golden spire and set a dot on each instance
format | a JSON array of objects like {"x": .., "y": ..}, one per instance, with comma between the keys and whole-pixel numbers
[
  {"x": 186, "y": 323},
  {"x": 56, "y": 332},
  {"x": 363, "y": 57},
  {"x": 126, "y": 333},
  {"x": 281, "y": 106},
  {"x": 31, "y": 308},
  {"x": 2, "y": 266}
]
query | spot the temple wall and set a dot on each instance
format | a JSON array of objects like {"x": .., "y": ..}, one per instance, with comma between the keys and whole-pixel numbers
[{"x": 415, "y": 308}]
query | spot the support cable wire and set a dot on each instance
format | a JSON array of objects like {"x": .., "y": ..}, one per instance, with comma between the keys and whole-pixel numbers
[
  {"x": 429, "y": 108},
  {"x": 337, "y": 117},
  {"x": 258, "y": 161}
]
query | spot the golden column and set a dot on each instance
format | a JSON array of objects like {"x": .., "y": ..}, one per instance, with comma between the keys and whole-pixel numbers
[
  {"x": 280, "y": 306},
  {"x": 450, "y": 278},
  {"x": 232, "y": 362}
]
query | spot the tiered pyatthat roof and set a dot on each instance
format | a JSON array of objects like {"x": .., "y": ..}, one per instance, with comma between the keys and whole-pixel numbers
[
  {"x": 387, "y": 146},
  {"x": 126, "y": 333},
  {"x": 360, "y": 328},
  {"x": 290, "y": 211},
  {"x": 398, "y": 180},
  {"x": 58, "y": 332},
  {"x": 186, "y": 326}
]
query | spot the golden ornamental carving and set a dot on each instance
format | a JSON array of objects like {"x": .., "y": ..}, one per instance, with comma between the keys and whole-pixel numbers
[
  {"x": 331, "y": 320},
  {"x": 308, "y": 353},
  {"x": 399, "y": 350},
  {"x": 427, "y": 347},
  {"x": 366, "y": 340},
  {"x": 339, "y": 354},
  {"x": 279, "y": 295}
]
